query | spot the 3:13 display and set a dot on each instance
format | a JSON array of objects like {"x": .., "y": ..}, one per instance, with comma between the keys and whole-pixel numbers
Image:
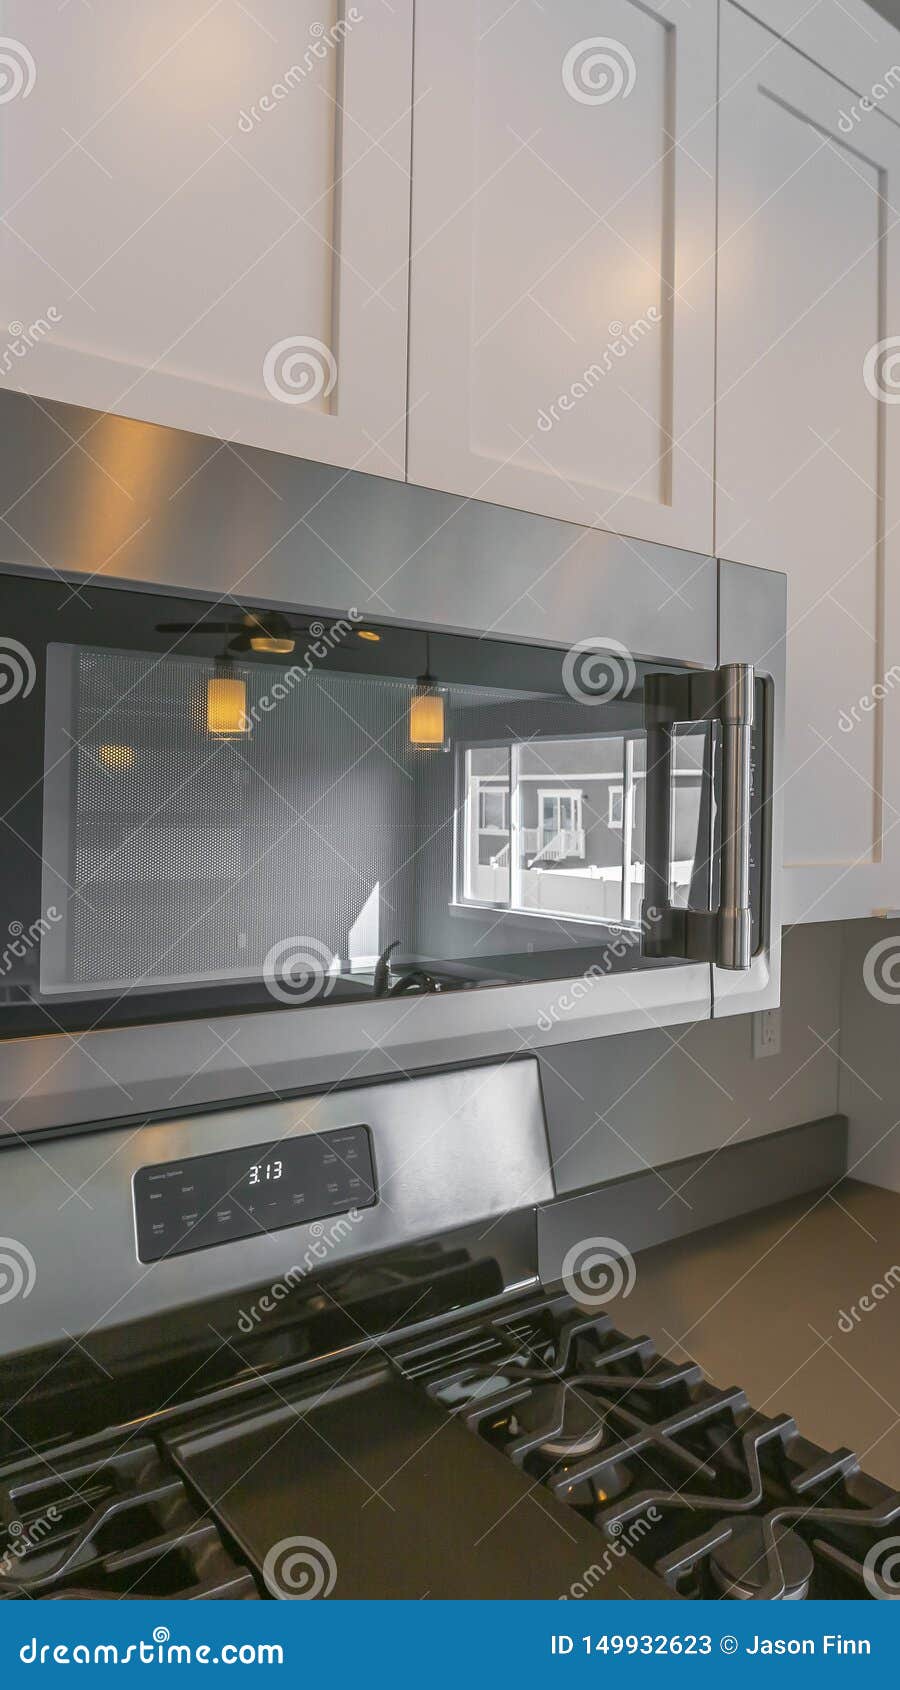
[{"x": 263, "y": 1171}]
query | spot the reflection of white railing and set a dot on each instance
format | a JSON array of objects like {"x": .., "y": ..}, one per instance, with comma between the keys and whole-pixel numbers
[
  {"x": 501, "y": 860},
  {"x": 568, "y": 842}
]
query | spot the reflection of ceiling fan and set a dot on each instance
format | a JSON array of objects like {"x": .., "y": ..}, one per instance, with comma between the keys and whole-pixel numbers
[{"x": 258, "y": 630}]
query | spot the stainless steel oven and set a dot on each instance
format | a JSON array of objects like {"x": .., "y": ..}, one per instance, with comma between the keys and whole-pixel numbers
[{"x": 261, "y": 843}]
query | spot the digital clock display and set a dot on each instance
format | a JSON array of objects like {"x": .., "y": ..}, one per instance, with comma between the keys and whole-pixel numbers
[
  {"x": 262, "y": 1172},
  {"x": 231, "y": 1194}
]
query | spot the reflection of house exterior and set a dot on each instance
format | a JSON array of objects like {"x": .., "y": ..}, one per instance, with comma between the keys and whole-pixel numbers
[{"x": 557, "y": 825}]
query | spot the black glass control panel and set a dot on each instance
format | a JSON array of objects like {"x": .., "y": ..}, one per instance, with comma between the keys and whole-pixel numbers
[{"x": 206, "y": 1200}]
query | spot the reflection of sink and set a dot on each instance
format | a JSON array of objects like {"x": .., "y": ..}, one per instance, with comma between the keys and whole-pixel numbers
[{"x": 415, "y": 974}]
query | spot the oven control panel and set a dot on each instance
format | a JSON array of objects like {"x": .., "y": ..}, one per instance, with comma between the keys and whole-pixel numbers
[{"x": 229, "y": 1194}]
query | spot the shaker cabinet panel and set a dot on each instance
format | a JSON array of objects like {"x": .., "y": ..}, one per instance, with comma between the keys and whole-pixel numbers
[
  {"x": 206, "y": 213},
  {"x": 808, "y": 443},
  {"x": 563, "y": 260}
]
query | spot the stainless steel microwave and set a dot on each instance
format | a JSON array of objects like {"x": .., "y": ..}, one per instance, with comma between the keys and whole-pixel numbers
[{"x": 257, "y": 843}]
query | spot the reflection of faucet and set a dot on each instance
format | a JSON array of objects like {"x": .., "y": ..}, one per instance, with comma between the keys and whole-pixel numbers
[{"x": 382, "y": 980}]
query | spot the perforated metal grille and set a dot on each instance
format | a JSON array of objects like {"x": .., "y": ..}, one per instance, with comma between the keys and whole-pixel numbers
[{"x": 189, "y": 855}]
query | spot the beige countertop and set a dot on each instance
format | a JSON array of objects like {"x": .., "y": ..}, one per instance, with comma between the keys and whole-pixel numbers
[{"x": 799, "y": 1304}]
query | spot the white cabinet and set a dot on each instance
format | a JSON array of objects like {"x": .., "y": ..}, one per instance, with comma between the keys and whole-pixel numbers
[
  {"x": 206, "y": 217},
  {"x": 808, "y": 443},
  {"x": 563, "y": 260}
]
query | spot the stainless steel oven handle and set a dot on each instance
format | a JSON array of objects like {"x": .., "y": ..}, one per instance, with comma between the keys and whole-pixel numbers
[
  {"x": 734, "y": 942},
  {"x": 724, "y": 935}
]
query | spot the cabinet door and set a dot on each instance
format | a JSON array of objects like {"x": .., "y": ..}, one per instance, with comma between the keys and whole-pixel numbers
[
  {"x": 206, "y": 217},
  {"x": 808, "y": 444},
  {"x": 563, "y": 260}
]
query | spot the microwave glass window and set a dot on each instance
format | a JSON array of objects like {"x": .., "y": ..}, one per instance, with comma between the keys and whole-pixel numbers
[{"x": 198, "y": 827}]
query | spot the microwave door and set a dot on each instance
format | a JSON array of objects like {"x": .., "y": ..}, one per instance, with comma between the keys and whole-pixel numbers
[{"x": 715, "y": 712}]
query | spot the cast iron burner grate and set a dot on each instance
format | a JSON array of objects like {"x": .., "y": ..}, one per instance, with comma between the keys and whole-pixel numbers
[
  {"x": 717, "y": 1499},
  {"x": 115, "y": 1524}
]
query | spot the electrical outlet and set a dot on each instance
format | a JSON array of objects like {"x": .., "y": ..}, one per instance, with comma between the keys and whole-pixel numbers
[{"x": 767, "y": 1032}]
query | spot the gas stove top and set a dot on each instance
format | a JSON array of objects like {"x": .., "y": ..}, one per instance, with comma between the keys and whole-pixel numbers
[
  {"x": 490, "y": 1434},
  {"x": 713, "y": 1497}
]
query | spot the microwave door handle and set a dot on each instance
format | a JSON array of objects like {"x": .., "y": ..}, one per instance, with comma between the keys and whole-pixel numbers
[
  {"x": 734, "y": 936},
  {"x": 661, "y": 924},
  {"x": 721, "y": 936}
]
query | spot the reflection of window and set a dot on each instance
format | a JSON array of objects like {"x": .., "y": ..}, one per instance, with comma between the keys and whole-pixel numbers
[
  {"x": 493, "y": 809},
  {"x": 554, "y": 827},
  {"x": 532, "y": 833}
]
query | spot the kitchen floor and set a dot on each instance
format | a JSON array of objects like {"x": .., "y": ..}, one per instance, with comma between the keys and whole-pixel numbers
[{"x": 774, "y": 1302}]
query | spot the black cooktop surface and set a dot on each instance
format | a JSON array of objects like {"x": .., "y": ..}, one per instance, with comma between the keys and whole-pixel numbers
[{"x": 538, "y": 1452}]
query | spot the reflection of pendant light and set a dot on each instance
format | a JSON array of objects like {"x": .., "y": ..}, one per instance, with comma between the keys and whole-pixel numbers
[
  {"x": 273, "y": 634},
  {"x": 116, "y": 757},
  {"x": 428, "y": 711},
  {"x": 226, "y": 702}
]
